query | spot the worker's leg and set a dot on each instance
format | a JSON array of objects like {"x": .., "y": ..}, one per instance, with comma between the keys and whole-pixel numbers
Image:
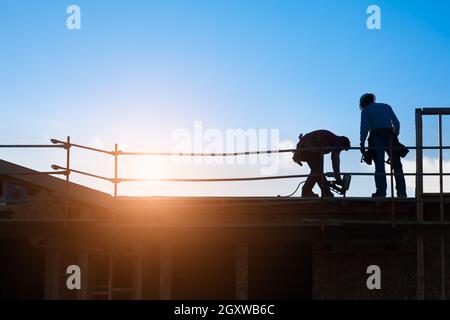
[
  {"x": 321, "y": 179},
  {"x": 315, "y": 162},
  {"x": 400, "y": 184},
  {"x": 380, "y": 144},
  {"x": 311, "y": 180}
]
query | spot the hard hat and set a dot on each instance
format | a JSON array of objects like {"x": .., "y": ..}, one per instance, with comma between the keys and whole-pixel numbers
[{"x": 364, "y": 98}]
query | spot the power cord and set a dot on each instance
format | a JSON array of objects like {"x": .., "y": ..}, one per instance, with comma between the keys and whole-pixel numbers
[{"x": 296, "y": 189}]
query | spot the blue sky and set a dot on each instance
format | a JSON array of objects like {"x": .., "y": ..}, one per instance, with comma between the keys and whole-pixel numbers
[{"x": 139, "y": 70}]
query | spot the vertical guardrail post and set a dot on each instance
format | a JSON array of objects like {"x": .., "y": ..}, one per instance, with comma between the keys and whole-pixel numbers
[
  {"x": 116, "y": 180},
  {"x": 391, "y": 156},
  {"x": 67, "y": 185},
  {"x": 441, "y": 211},
  {"x": 419, "y": 193},
  {"x": 116, "y": 168},
  {"x": 324, "y": 180}
]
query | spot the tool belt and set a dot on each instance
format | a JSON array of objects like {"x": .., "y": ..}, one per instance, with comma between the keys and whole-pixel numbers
[
  {"x": 307, "y": 143},
  {"x": 398, "y": 149}
]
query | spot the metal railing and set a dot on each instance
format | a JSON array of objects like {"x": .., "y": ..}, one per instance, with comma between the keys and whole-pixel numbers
[{"x": 67, "y": 170}]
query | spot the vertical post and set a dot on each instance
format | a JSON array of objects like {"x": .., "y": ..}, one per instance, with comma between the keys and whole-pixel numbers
[
  {"x": 83, "y": 255},
  {"x": 51, "y": 273},
  {"x": 323, "y": 180},
  {"x": 242, "y": 271},
  {"x": 419, "y": 162},
  {"x": 116, "y": 168},
  {"x": 441, "y": 210},
  {"x": 116, "y": 182},
  {"x": 419, "y": 193},
  {"x": 391, "y": 156},
  {"x": 441, "y": 176},
  {"x": 165, "y": 272},
  {"x": 322, "y": 177},
  {"x": 110, "y": 271},
  {"x": 138, "y": 269},
  {"x": 67, "y": 185},
  {"x": 443, "y": 276}
]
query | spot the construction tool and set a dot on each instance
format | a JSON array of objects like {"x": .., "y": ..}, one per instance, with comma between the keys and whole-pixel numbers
[{"x": 338, "y": 188}]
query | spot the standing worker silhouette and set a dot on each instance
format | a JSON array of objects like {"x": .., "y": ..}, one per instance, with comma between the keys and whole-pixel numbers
[
  {"x": 384, "y": 127},
  {"x": 311, "y": 148}
]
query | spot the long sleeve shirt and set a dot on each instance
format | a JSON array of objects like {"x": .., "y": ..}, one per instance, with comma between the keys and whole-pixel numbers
[
  {"x": 378, "y": 116},
  {"x": 322, "y": 139},
  {"x": 329, "y": 142}
]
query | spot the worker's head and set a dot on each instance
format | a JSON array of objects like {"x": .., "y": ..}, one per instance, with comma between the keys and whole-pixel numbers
[
  {"x": 345, "y": 142},
  {"x": 366, "y": 100}
]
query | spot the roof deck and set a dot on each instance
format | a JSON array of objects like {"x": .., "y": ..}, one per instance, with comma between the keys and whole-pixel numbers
[{"x": 225, "y": 218}]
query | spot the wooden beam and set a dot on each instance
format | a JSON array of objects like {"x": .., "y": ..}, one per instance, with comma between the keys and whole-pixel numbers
[
  {"x": 52, "y": 256},
  {"x": 83, "y": 257},
  {"x": 110, "y": 272},
  {"x": 165, "y": 272},
  {"x": 138, "y": 269},
  {"x": 242, "y": 271}
]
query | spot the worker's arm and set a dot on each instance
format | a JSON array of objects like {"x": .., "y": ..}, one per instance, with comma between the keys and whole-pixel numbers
[
  {"x": 395, "y": 122},
  {"x": 364, "y": 129},
  {"x": 336, "y": 166}
]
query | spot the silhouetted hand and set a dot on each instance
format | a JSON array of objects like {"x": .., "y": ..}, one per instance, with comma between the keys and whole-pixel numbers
[
  {"x": 362, "y": 148},
  {"x": 339, "y": 180}
]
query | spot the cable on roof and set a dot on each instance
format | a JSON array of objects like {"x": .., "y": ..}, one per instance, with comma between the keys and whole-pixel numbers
[{"x": 291, "y": 194}]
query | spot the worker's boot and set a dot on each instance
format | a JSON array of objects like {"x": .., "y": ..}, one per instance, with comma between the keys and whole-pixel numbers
[
  {"x": 309, "y": 194},
  {"x": 378, "y": 195},
  {"x": 327, "y": 194}
]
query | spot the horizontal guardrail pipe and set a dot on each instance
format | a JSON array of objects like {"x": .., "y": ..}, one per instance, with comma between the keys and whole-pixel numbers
[
  {"x": 245, "y": 153},
  {"x": 227, "y": 154},
  {"x": 32, "y": 173},
  {"x": 65, "y": 145},
  {"x": 434, "y": 111},
  {"x": 66, "y": 171},
  {"x": 30, "y": 146},
  {"x": 329, "y": 174}
]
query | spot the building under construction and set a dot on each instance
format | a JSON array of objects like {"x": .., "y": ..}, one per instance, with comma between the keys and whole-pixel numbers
[{"x": 219, "y": 247}]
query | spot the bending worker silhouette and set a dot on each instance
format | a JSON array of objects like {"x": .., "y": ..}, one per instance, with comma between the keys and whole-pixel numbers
[
  {"x": 384, "y": 127},
  {"x": 311, "y": 148}
]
